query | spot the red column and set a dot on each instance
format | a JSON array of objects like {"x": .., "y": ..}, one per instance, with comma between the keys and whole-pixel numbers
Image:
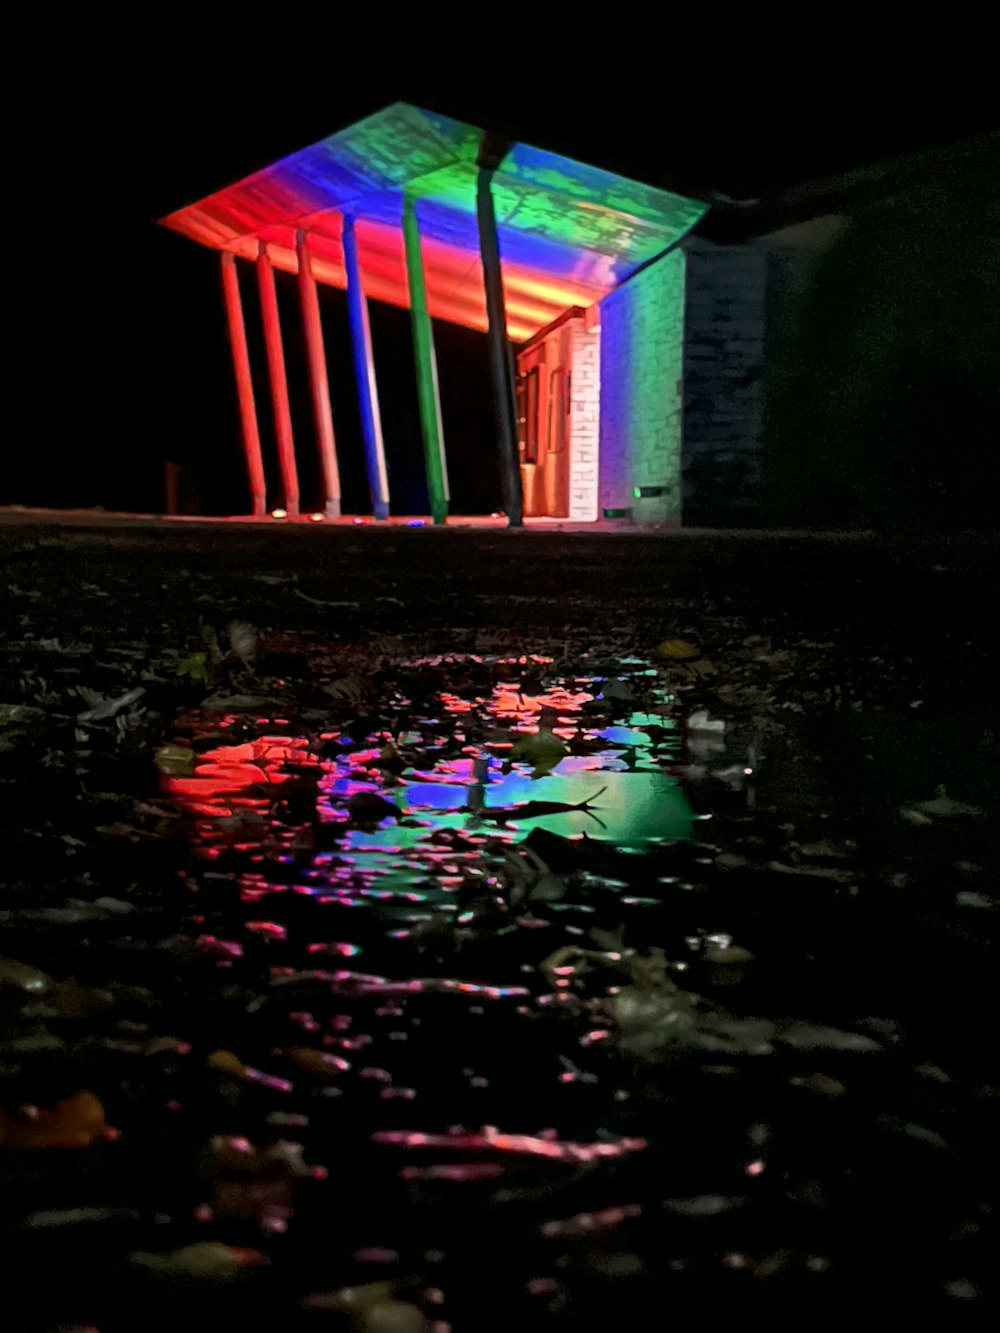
[
  {"x": 244, "y": 382},
  {"x": 279, "y": 381},
  {"x": 319, "y": 382}
]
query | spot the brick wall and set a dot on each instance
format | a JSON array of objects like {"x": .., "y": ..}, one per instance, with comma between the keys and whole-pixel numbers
[
  {"x": 789, "y": 277},
  {"x": 585, "y": 399},
  {"x": 739, "y": 300},
  {"x": 641, "y": 408},
  {"x": 726, "y": 320}
]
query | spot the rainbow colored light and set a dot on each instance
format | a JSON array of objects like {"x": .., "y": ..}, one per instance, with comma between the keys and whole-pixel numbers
[{"x": 569, "y": 233}]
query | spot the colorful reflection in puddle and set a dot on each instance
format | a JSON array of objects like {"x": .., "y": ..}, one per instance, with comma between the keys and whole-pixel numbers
[
  {"x": 367, "y": 868},
  {"x": 442, "y": 815},
  {"x": 627, "y": 809}
]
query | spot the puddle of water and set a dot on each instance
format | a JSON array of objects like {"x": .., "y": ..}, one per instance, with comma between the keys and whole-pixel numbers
[
  {"x": 445, "y": 811},
  {"x": 345, "y": 849}
]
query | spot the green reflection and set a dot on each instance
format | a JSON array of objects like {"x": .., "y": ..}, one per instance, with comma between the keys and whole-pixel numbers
[{"x": 635, "y": 809}]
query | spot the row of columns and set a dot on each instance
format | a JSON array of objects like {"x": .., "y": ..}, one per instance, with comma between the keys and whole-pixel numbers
[
  {"x": 319, "y": 383},
  {"x": 364, "y": 370}
]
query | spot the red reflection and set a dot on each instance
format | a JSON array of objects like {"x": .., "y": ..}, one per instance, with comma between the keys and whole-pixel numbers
[{"x": 230, "y": 769}]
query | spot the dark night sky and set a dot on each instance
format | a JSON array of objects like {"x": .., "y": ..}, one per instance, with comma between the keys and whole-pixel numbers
[{"x": 122, "y": 356}]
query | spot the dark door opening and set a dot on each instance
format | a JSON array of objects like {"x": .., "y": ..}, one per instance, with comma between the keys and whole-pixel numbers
[{"x": 469, "y": 417}]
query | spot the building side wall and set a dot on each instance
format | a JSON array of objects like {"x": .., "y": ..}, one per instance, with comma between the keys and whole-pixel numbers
[
  {"x": 726, "y": 326},
  {"x": 641, "y": 382},
  {"x": 741, "y": 310}
]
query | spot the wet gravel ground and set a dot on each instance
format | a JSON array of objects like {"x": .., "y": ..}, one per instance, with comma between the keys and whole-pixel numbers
[{"x": 812, "y": 1137}]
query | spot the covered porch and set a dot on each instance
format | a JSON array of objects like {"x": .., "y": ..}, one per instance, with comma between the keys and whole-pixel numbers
[{"x": 424, "y": 212}]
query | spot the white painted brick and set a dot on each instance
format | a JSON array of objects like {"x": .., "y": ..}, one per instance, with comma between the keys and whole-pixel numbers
[
  {"x": 584, "y": 423},
  {"x": 640, "y": 411}
]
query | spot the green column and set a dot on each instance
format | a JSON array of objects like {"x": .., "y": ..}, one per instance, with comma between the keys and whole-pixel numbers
[{"x": 427, "y": 380}]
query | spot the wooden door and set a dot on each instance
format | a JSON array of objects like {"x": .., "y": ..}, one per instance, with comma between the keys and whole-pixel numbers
[
  {"x": 531, "y": 429},
  {"x": 557, "y": 445}
]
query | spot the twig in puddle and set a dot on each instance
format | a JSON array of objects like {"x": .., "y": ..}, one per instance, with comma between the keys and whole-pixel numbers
[
  {"x": 319, "y": 601},
  {"x": 537, "y": 809}
]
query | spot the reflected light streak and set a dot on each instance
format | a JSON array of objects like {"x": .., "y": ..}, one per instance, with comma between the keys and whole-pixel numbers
[{"x": 491, "y": 1138}]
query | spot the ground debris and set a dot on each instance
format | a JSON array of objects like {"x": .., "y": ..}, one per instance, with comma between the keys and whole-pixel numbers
[{"x": 355, "y": 997}]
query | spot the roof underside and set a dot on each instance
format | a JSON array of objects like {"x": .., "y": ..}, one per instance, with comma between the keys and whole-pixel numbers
[{"x": 569, "y": 233}]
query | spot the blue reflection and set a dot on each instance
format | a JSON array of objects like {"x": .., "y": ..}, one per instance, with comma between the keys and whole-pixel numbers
[
  {"x": 624, "y": 736},
  {"x": 436, "y": 796}
]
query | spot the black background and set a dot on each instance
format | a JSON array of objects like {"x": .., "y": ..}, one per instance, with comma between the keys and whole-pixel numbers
[{"x": 119, "y": 357}]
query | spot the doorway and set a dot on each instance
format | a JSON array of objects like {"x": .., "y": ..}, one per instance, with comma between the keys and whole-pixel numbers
[{"x": 544, "y": 410}]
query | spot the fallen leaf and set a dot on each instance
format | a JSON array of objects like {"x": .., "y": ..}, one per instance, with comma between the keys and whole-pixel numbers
[
  {"x": 76, "y": 1122},
  {"x": 176, "y": 761},
  {"x": 208, "y": 1260},
  {"x": 541, "y": 747},
  {"x": 227, "y": 1063},
  {"x": 102, "y": 708},
  {"x": 941, "y": 807},
  {"x": 242, "y": 640},
  {"x": 700, "y": 723},
  {"x": 22, "y": 976},
  {"x": 194, "y": 666},
  {"x": 675, "y": 650}
]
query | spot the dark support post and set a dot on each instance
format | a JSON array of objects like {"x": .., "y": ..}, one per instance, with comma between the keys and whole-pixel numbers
[
  {"x": 172, "y": 483},
  {"x": 491, "y": 153}
]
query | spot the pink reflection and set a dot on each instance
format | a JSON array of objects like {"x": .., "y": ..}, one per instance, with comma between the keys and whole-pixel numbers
[
  {"x": 490, "y": 1138},
  {"x": 267, "y": 1080},
  {"x": 543, "y": 1286},
  {"x": 362, "y": 983},
  {"x": 584, "y": 1223},
  {"x": 269, "y": 928},
  {"x": 469, "y": 1171},
  {"x": 362, "y": 758},
  {"x": 227, "y": 948}
]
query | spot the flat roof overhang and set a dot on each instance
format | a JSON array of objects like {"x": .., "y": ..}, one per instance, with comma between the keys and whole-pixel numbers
[{"x": 569, "y": 233}]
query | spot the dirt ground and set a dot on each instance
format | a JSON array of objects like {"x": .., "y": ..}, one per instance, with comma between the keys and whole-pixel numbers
[
  {"x": 929, "y": 603},
  {"x": 856, "y": 677},
  {"x": 869, "y": 664}
]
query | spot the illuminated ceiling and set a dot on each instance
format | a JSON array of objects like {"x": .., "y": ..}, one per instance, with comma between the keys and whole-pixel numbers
[{"x": 569, "y": 233}]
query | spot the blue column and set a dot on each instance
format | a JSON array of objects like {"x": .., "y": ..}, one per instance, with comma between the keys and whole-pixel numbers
[{"x": 364, "y": 373}]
